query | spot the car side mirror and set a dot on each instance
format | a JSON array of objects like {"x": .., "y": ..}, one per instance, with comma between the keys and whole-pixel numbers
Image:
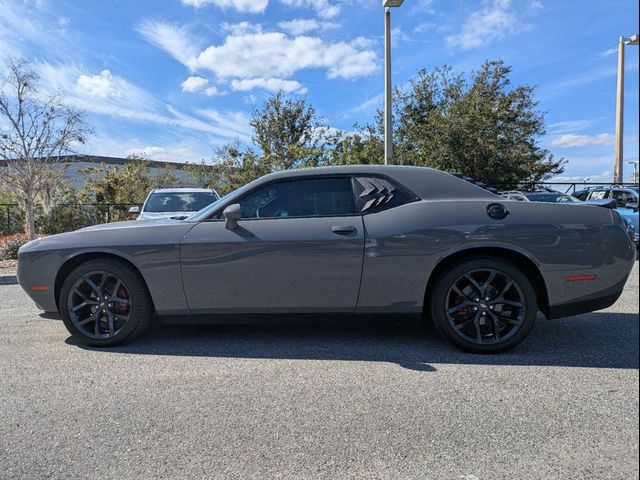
[
  {"x": 232, "y": 216},
  {"x": 632, "y": 205},
  {"x": 134, "y": 210}
]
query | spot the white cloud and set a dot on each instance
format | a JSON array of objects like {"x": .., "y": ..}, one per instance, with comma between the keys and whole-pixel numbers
[
  {"x": 175, "y": 40},
  {"x": 374, "y": 102},
  {"x": 194, "y": 84},
  {"x": 128, "y": 101},
  {"x": 570, "y": 126},
  {"x": 323, "y": 8},
  {"x": 571, "y": 140},
  {"x": 299, "y": 26},
  {"x": 486, "y": 25},
  {"x": 397, "y": 34},
  {"x": 271, "y": 84},
  {"x": 608, "y": 52},
  {"x": 244, "y": 6},
  {"x": 171, "y": 153},
  {"x": 103, "y": 85},
  {"x": 265, "y": 55},
  {"x": 241, "y": 28},
  {"x": 602, "y": 177},
  {"x": 212, "y": 91}
]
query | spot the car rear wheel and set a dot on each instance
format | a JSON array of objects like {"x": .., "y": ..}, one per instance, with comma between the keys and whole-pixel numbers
[
  {"x": 104, "y": 303},
  {"x": 484, "y": 305}
]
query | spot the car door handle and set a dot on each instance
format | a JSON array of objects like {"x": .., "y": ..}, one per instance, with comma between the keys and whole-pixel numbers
[{"x": 343, "y": 229}]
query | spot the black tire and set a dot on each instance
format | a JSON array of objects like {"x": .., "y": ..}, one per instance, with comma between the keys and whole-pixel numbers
[
  {"x": 458, "y": 313},
  {"x": 122, "y": 319}
]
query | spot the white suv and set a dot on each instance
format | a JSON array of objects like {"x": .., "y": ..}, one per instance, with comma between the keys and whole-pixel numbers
[{"x": 174, "y": 202}]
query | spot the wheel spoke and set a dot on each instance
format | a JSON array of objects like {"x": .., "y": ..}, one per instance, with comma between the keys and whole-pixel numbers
[
  {"x": 506, "y": 288},
  {"x": 459, "y": 292},
  {"x": 93, "y": 286},
  {"x": 487, "y": 284},
  {"x": 460, "y": 326},
  {"x": 79, "y": 293},
  {"x": 112, "y": 328},
  {"x": 511, "y": 303},
  {"x": 83, "y": 304},
  {"x": 496, "y": 325},
  {"x": 114, "y": 292},
  {"x": 123, "y": 301},
  {"x": 90, "y": 318},
  {"x": 476, "y": 323},
  {"x": 473, "y": 282}
]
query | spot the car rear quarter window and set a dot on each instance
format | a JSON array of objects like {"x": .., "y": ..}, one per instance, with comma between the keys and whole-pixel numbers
[{"x": 377, "y": 193}]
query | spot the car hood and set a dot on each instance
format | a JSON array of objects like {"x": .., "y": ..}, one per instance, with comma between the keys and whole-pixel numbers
[
  {"x": 131, "y": 224},
  {"x": 114, "y": 236}
]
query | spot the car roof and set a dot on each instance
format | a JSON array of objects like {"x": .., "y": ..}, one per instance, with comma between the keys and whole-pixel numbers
[
  {"x": 182, "y": 190},
  {"x": 423, "y": 181},
  {"x": 539, "y": 194}
]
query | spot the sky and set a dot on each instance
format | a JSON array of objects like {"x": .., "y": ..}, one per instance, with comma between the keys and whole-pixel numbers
[{"x": 175, "y": 78}]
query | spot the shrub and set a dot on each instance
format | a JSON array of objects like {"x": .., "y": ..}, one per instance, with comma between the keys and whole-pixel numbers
[
  {"x": 66, "y": 218},
  {"x": 9, "y": 246}
]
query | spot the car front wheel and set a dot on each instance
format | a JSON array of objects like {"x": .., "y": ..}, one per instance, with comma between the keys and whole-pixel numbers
[
  {"x": 484, "y": 305},
  {"x": 104, "y": 303}
]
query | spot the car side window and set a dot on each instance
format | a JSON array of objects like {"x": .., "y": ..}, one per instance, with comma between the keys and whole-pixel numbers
[
  {"x": 375, "y": 193},
  {"x": 301, "y": 198},
  {"x": 623, "y": 197},
  {"x": 598, "y": 195}
]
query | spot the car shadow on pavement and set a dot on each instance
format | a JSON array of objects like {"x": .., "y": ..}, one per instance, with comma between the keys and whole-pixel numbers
[{"x": 596, "y": 340}]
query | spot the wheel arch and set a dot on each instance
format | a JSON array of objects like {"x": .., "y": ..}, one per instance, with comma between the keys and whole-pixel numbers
[
  {"x": 72, "y": 263},
  {"x": 528, "y": 267}
]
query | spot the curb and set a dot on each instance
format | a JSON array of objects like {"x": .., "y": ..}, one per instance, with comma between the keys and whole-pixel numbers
[{"x": 8, "y": 280}]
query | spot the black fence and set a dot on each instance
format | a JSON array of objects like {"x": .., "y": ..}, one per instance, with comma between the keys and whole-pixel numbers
[{"x": 565, "y": 187}]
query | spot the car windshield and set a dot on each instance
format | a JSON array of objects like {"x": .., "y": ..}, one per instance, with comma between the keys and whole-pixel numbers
[
  {"x": 552, "y": 197},
  {"x": 179, "y": 201}
]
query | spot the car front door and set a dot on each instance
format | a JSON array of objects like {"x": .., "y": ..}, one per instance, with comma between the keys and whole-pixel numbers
[{"x": 298, "y": 247}]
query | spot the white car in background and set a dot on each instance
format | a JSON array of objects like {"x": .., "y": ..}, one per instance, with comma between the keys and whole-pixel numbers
[{"x": 174, "y": 202}]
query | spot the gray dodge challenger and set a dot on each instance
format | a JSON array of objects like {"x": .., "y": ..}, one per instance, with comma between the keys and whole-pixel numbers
[{"x": 353, "y": 239}]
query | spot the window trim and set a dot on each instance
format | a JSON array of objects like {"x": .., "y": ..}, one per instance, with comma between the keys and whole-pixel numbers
[{"x": 216, "y": 216}]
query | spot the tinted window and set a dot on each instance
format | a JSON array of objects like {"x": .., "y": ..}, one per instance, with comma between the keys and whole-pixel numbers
[
  {"x": 623, "y": 197},
  {"x": 300, "y": 198},
  {"x": 374, "y": 193},
  {"x": 179, "y": 202}
]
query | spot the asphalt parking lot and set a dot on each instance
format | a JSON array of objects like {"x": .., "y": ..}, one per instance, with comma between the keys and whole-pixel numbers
[{"x": 322, "y": 400}]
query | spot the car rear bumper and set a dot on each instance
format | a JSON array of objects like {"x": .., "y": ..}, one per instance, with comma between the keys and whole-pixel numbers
[{"x": 588, "y": 303}]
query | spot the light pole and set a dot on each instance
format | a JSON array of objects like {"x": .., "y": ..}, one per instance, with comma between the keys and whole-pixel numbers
[
  {"x": 635, "y": 171},
  {"x": 388, "y": 125},
  {"x": 617, "y": 170}
]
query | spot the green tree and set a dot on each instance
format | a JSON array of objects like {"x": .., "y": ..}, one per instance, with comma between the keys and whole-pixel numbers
[
  {"x": 483, "y": 127},
  {"x": 236, "y": 166},
  {"x": 288, "y": 132},
  {"x": 128, "y": 185},
  {"x": 166, "y": 177},
  {"x": 201, "y": 173},
  {"x": 364, "y": 146}
]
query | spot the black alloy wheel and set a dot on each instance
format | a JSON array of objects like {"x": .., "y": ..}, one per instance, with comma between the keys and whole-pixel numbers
[
  {"x": 105, "y": 303},
  {"x": 484, "y": 305}
]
